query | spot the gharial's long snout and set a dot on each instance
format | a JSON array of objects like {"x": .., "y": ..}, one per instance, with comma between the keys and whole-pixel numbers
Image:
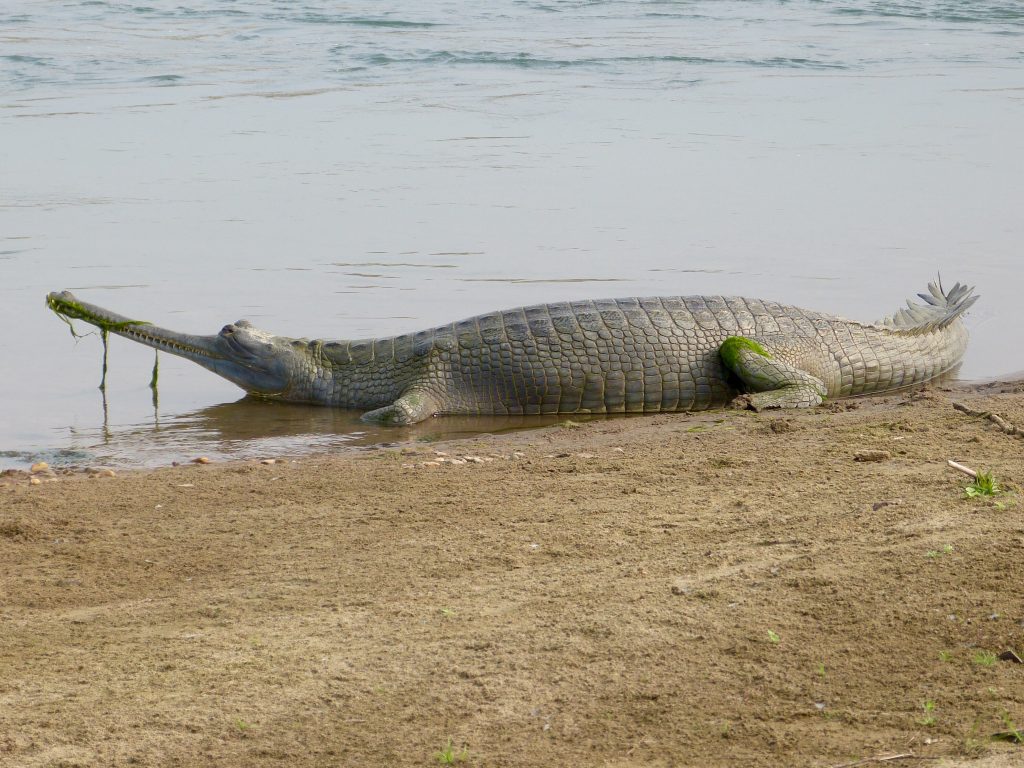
[
  {"x": 193, "y": 347},
  {"x": 252, "y": 359}
]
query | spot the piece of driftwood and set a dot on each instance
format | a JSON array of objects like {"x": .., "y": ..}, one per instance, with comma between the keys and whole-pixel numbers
[
  {"x": 961, "y": 468},
  {"x": 995, "y": 418},
  {"x": 885, "y": 759}
]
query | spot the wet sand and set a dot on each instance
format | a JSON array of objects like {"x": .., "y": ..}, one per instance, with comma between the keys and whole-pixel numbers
[{"x": 714, "y": 589}]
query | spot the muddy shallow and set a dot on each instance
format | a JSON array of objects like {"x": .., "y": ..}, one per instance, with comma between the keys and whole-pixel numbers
[{"x": 713, "y": 589}]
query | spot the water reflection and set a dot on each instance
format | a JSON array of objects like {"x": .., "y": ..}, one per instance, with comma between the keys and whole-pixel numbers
[
  {"x": 253, "y": 419},
  {"x": 251, "y": 428}
]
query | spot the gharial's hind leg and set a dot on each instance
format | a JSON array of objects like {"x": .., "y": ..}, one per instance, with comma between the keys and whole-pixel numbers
[
  {"x": 413, "y": 406},
  {"x": 774, "y": 384}
]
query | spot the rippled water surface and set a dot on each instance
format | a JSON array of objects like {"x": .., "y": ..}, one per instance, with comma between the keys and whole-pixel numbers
[{"x": 364, "y": 168}]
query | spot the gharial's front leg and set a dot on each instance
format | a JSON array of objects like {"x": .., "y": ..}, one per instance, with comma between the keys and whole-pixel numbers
[
  {"x": 415, "y": 405},
  {"x": 774, "y": 384}
]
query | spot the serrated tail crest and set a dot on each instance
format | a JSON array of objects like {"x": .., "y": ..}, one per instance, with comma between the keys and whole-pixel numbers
[{"x": 942, "y": 307}]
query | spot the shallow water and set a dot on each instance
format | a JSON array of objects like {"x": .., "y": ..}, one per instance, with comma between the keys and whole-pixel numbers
[{"x": 373, "y": 168}]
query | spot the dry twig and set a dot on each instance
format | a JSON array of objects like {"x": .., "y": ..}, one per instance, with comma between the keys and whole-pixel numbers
[
  {"x": 960, "y": 467},
  {"x": 995, "y": 418},
  {"x": 884, "y": 759}
]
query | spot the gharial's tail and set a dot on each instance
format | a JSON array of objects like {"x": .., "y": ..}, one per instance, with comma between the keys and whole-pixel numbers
[{"x": 943, "y": 308}]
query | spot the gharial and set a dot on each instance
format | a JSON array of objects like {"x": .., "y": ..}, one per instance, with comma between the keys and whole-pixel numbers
[{"x": 605, "y": 356}]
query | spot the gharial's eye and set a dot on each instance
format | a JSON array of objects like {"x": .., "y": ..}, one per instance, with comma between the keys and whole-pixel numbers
[{"x": 227, "y": 330}]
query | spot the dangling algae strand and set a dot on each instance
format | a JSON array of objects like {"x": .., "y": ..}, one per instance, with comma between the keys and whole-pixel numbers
[
  {"x": 68, "y": 310},
  {"x": 152, "y": 381},
  {"x": 105, "y": 337}
]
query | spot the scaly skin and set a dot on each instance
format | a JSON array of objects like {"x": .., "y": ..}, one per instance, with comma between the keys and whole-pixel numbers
[{"x": 609, "y": 356}]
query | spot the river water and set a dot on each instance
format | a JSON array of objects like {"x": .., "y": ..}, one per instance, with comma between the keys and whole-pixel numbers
[{"x": 345, "y": 169}]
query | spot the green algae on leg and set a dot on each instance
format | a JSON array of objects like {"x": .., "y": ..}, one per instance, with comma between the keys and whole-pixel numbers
[
  {"x": 774, "y": 383},
  {"x": 731, "y": 347}
]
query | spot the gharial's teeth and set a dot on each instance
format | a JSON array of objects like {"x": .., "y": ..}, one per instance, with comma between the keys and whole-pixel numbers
[{"x": 166, "y": 343}]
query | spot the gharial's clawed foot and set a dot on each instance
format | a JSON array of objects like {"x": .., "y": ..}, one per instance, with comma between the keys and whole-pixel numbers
[
  {"x": 797, "y": 396},
  {"x": 742, "y": 403},
  {"x": 408, "y": 409}
]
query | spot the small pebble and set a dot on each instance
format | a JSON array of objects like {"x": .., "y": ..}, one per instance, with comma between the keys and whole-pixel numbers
[
  {"x": 267, "y": 461},
  {"x": 886, "y": 503},
  {"x": 431, "y": 464},
  {"x": 40, "y": 466},
  {"x": 201, "y": 460},
  {"x": 35, "y": 481},
  {"x": 106, "y": 473}
]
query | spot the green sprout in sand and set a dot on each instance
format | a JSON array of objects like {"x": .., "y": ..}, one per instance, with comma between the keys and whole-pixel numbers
[{"x": 984, "y": 485}]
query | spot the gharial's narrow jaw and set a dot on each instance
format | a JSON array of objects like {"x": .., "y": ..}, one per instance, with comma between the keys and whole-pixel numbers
[{"x": 258, "y": 362}]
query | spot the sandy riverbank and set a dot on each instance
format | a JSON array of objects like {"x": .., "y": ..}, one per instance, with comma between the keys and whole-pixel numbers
[{"x": 714, "y": 589}]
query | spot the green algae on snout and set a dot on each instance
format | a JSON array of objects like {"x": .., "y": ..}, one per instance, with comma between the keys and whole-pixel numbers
[{"x": 71, "y": 310}]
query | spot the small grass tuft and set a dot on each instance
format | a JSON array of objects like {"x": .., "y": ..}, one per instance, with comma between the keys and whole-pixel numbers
[
  {"x": 929, "y": 718},
  {"x": 448, "y": 755},
  {"x": 985, "y": 659},
  {"x": 1012, "y": 733},
  {"x": 945, "y": 656},
  {"x": 773, "y": 637},
  {"x": 984, "y": 484}
]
